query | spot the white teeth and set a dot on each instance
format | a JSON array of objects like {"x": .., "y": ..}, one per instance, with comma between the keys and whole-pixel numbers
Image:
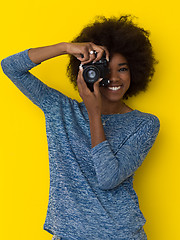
[{"x": 114, "y": 88}]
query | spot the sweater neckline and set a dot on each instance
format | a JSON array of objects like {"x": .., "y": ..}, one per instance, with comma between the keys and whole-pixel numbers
[
  {"x": 119, "y": 114},
  {"x": 104, "y": 116}
]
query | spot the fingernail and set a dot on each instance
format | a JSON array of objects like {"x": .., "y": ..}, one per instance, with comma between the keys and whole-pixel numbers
[{"x": 80, "y": 67}]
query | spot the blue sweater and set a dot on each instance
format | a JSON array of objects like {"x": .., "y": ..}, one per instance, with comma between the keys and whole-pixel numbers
[{"x": 91, "y": 195}]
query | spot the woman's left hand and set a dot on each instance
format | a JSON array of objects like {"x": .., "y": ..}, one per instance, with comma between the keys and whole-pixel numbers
[{"x": 92, "y": 100}]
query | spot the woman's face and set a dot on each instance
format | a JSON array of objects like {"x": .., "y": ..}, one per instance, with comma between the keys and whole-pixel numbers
[{"x": 119, "y": 76}]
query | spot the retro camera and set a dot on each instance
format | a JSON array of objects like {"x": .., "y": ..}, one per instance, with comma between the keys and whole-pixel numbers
[{"x": 93, "y": 71}]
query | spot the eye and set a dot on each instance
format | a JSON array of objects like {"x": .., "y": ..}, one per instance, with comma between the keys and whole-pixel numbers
[{"x": 124, "y": 69}]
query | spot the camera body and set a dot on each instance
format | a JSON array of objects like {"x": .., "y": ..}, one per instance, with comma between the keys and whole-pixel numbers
[{"x": 93, "y": 71}]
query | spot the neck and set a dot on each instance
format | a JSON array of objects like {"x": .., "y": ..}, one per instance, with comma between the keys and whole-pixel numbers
[{"x": 113, "y": 107}]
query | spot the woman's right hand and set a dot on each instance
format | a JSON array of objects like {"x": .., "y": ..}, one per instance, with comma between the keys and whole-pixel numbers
[
  {"x": 85, "y": 52},
  {"x": 80, "y": 50}
]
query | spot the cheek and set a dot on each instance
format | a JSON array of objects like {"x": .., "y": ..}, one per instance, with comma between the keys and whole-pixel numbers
[{"x": 127, "y": 80}]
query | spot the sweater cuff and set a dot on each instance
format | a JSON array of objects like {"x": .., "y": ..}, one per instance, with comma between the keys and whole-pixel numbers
[
  {"x": 100, "y": 148},
  {"x": 30, "y": 64}
]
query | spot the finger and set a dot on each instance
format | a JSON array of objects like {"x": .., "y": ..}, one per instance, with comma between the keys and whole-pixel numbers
[
  {"x": 81, "y": 82},
  {"x": 85, "y": 54},
  {"x": 89, "y": 54},
  {"x": 107, "y": 53},
  {"x": 100, "y": 52},
  {"x": 92, "y": 55},
  {"x": 96, "y": 86},
  {"x": 80, "y": 57}
]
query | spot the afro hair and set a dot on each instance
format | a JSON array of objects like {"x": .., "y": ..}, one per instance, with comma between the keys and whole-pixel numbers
[{"x": 120, "y": 35}]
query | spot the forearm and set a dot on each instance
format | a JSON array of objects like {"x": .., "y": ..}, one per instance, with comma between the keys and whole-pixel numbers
[
  {"x": 97, "y": 130},
  {"x": 38, "y": 55},
  {"x": 17, "y": 67}
]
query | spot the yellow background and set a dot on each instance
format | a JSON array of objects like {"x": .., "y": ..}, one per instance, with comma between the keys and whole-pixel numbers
[{"x": 24, "y": 169}]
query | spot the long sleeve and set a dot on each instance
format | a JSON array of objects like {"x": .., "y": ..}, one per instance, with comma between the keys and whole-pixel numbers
[
  {"x": 113, "y": 168},
  {"x": 17, "y": 67}
]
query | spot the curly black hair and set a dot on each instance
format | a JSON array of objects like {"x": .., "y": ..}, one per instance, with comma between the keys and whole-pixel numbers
[{"x": 120, "y": 35}]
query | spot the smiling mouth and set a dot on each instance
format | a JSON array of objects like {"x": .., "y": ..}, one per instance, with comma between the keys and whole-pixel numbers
[{"x": 114, "y": 88}]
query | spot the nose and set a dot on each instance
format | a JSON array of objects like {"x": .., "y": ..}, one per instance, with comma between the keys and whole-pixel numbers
[{"x": 113, "y": 76}]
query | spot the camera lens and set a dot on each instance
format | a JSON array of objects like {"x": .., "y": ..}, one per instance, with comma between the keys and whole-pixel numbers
[{"x": 91, "y": 74}]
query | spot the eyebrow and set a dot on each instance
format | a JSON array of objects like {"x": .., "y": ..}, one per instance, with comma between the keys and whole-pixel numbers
[{"x": 121, "y": 64}]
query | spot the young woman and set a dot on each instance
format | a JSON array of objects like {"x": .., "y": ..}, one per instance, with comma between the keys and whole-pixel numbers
[{"x": 95, "y": 146}]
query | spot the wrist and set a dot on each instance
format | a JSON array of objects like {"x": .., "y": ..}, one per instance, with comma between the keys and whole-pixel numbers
[
  {"x": 62, "y": 48},
  {"x": 66, "y": 47},
  {"x": 95, "y": 119},
  {"x": 94, "y": 113},
  {"x": 95, "y": 116},
  {"x": 96, "y": 129}
]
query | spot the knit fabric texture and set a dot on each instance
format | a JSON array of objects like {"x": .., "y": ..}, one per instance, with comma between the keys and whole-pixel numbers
[{"x": 91, "y": 195}]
